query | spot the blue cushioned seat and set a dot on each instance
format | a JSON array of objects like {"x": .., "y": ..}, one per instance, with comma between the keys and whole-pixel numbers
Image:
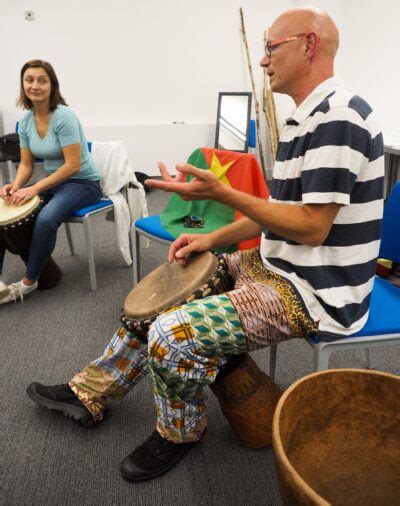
[
  {"x": 384, "y": 301},
  {"x": 152, "y": 225},
  {"x": 99, "y": 205}
]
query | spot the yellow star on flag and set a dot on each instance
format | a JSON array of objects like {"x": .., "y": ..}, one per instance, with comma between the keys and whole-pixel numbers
[{"x": 220, "y": 170}]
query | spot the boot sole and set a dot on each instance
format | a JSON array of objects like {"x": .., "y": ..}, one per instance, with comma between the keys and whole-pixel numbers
[{"x": 78, "y": 414}]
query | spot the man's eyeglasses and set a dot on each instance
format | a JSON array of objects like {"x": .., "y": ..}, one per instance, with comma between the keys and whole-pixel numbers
[{"x": 270, "y": 46}]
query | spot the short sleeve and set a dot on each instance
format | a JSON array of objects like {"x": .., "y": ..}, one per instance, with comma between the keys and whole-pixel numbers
[
  {"x": 67, "y": 128},
  {"x": 339, "y": 147},
  {"x": 23, "y": 135}
]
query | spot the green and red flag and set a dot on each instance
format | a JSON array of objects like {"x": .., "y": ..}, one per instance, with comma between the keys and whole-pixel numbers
[{"x": 241, "y": 171}]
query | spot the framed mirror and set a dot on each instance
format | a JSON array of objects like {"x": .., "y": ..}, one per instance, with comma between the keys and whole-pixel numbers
[{"x": 233, "y": 118}]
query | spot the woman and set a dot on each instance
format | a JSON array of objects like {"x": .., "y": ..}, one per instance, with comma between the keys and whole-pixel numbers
[{"x": 51, "y": 131}]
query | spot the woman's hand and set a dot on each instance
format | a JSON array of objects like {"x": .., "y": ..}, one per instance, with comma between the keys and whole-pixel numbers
[
  {"x": 22, "y": 195},
  {"x": 8, "y": 190},
  {"x": 181, "y": 248}
]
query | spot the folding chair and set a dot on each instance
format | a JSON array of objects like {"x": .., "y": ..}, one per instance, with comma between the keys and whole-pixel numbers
[
  {"x": 152, "y": 227},
  {"x": 383, "y": 325},
  {"x": 83, "y": 216}
]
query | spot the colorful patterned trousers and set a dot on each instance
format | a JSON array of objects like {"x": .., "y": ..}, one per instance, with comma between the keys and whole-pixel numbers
[{"x": 187, "y": 346}]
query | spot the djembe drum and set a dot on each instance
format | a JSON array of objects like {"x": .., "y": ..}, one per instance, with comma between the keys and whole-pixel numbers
[
  {"x": 248, "y": 399},
  {"x": 16, "y": 228},
  {"x": 246, "y": 395},
  {"x": 336, "y": 437},
  {"x": 172, "y": 285}
]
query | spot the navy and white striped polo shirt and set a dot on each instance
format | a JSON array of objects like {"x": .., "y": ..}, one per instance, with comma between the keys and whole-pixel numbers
[{"x": 331, "y": 150}]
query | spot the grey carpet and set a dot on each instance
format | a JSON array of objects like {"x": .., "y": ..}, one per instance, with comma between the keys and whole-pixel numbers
[{"x": 48, "y": 460}]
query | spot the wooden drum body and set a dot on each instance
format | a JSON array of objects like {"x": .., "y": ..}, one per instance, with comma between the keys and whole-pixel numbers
[
  {"x": 248, "y": 398},
  {"x": 336, "y": 438},
  {"x": 16, "y": 228}
]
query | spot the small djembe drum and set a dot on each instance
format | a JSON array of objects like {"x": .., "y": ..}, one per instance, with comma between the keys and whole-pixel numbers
[
  {"x": 172, "y": 285},
  {"x": 246, "y": 395},
  {"x": 336, "y": 437},
  {"x": 16, "y": 228}
]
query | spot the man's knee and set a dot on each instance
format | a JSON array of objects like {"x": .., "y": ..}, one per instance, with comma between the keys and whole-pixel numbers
[
  {"x": 167, "y": 334},
  {"x": 159, "y": 342}
]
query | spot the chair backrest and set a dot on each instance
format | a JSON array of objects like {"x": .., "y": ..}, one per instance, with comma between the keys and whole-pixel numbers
[
  {"x": 239, "y": 170},
  {"x": 390, "y": 241}
]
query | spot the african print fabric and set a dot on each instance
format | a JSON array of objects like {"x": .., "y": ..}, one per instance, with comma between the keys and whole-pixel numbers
[
  {"x": 269, "y": 307},
  {"x": 122, "y": 365},
  {"x": 187, "y": 346},
  {"x": 183, "y": 347},
  {"x": 180, "y": 356}
]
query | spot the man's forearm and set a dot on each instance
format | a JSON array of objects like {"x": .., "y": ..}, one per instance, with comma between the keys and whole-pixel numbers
[
  {"x": 300, "y": 223},
  {"x": 236, "y": 232}
]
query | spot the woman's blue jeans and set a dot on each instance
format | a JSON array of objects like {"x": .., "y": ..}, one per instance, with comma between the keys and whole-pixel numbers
[{"x": 61, "y": 203}]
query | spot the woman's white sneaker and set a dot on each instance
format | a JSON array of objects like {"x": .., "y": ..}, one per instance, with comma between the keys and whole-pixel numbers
[
  {"x": 3, "y": 290},
  {"x": 16, "y": 291}
]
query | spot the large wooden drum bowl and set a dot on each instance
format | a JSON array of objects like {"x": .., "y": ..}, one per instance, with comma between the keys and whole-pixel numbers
[{"x": 336, "y": 437}]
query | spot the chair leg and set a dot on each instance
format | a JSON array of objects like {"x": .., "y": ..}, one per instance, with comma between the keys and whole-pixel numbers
[
  {"x": 321, "y": 358},
  {"x": 90, "y": 253},
  {"x": 69, "y": 238},
  {"x": 368, "y": 358},
  {"x": 272, "y": 361},
  {"x": 134, "y": 252},
  {"x": 135, "y": 241}
]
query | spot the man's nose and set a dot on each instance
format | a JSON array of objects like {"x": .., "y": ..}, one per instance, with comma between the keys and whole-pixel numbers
[{"x": 265, "y": 61}]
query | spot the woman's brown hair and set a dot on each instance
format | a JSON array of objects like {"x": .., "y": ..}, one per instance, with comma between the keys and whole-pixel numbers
[{"x": 55, "y": 95}]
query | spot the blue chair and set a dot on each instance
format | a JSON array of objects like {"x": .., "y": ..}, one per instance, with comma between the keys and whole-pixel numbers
[
  {"x": 383, "y": 325},
  {"x": 83, "y": 216},
  {"x": 151, "y": 228}
]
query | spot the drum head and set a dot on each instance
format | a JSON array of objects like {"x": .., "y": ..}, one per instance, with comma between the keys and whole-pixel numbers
[
  {"x": 168, "y": 285},
  {"x": 9, "y": 214}
]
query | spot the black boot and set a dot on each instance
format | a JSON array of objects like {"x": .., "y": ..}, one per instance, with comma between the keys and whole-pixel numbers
[
  {"x": 61, "y": 398},
  {"x": 153, "y": 458}
]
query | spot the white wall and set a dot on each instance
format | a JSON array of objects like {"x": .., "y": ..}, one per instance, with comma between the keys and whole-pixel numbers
[
  {"x": 131, "y": 68},
  {"x": 370, "y": 34}
]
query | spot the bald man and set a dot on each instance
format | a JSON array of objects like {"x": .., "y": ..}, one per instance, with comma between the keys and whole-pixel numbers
[{"x": 314, "y": 270}]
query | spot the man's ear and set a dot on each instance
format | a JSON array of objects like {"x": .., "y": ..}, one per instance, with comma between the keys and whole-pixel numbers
[{"x": 312, "y": 41}]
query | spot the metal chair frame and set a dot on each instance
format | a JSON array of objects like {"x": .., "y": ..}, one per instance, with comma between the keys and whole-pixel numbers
[
  {"x": 85, "y": 221},
  {"x": 135, "y": 234},
  {"x": 323, "y": 350}
]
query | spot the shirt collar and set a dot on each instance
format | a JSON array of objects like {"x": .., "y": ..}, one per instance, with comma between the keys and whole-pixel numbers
[{"x": 313, "y": 100}]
